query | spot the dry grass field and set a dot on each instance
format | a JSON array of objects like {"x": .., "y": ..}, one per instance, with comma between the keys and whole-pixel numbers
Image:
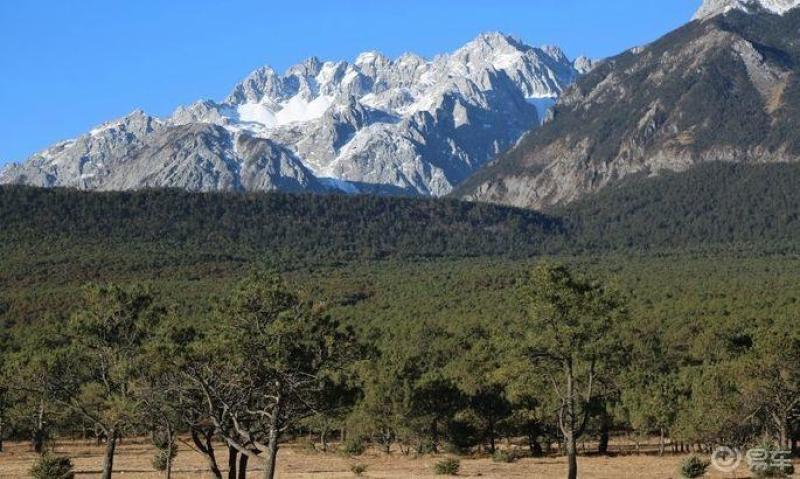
[{"x": 295, "y": 462}]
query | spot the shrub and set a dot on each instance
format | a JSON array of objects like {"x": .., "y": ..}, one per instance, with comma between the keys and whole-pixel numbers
[
  {"x": 353, "y": 447},
  {"x": 161, "y": 458},
  {"x": 358, "y": 469},
  {"x": 505, "y": 456},
  {"x": 426, "y": 446},
  {"x": 52, "y": 467},
  {"x": 447, "y": 467},
  {"x": 463, "y": 431},
  {"x": 165, "y": 452},
  {"x": 694, "y": 466}
]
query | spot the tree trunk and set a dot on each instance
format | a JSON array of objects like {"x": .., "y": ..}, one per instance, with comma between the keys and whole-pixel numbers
[
  {"x": 233, "y": 456},
  {"x": 323, "y": 438},
  {"x": 108, "y": 458},
  {"x": 661, "y": 442},
  {"x": 38, "y": 432},
  {"x": 243, "y": 466},
  {"x": 435, "y": 435},
  {"x": 783, "y": 435},
  {"x": 206, "y": 448},
  {"x": 386, "y": 440},
  {"x": 533, "y": 442},
  {"x": 170, "y": 448},
  {"x": 572, "y": 457},
  {"x": 602, "y": 444},
  {"x": 274, "y": 432}
]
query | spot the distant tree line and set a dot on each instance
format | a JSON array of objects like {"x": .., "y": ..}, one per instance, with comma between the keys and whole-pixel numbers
[
  {"x": 268, "y": 363},
  {"x": 292, "y": 227},
  {"x": 712, "y": 207}
]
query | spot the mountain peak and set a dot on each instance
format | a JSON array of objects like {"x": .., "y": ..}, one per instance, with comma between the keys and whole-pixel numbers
[
  {"x": 712, "y": 8},
  {"x": 370, "y": 58},
  {"x": 408, "y": 125},
  {"x": 496, "y": 41},
  {"x": 308, "y": 67},
  {"x": 554, "y": 52}
]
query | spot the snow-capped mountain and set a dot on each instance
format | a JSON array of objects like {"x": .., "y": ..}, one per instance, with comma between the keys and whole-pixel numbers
[
  {"x": 402, "y": 126},
  {"x": 711, "y": 8}
]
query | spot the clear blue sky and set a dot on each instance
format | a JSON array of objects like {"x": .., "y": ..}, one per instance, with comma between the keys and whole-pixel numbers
[{"x": 66, "y": 66}]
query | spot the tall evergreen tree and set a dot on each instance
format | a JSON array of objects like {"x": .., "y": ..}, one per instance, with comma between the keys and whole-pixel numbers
[{"x": 570, "y": 336}]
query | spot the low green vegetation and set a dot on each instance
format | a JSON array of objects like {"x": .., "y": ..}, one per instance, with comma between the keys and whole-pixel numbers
[
  {"x": 447, "y": 467},
  {"x": 504, "y": 456},
  {"x": 50, "y": 466},
  {"x": 358, "y": 469},
  {"x": 693, "y": 467},
  {"x": 499, "y": 350},
  {"x": 526, "y": 336}
]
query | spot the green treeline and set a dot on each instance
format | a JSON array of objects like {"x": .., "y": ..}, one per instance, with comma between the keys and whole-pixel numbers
[
  {"x": 314, "y": 228},
  {"x": 269, "y": 361},
  {"x": 713, "y": 207}
]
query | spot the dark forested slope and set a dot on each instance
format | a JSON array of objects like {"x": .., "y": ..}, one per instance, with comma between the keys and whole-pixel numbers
[
  {"x": 717, "y": 204},
  {"x": 319, "y": 228}
]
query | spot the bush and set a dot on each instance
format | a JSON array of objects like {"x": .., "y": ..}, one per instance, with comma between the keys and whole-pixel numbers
[
  {"x": 162, "y": 457},
  {"x": 454, "y": 449},
  {"x": 505, "y": 456},
  {"x": 52, "y": 467},
  {"x": 358, "y": 469},
  {"x": 353, "y": 447},
  {"x": 447, "y": 467},
  {"x": 166, "y": 452},
  {"x": 463, "y": 431},
  {"x": 694, "y": 466},
  {"x": 426, "y": 446}
]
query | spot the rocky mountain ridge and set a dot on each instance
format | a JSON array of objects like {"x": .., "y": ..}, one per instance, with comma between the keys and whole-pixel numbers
[
  {"x": 726, "y": 88},
  {"x": 711, "y": 8},
  {"x": 403, "y": 126}
]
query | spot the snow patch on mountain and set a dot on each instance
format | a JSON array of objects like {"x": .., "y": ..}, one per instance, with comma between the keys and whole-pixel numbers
[
  {"x": 408, "y": 125},
  {"x": 712, "y": 8}
]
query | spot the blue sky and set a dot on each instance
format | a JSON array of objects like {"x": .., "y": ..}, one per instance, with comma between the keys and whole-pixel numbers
[{"x": 66, "y": 66}]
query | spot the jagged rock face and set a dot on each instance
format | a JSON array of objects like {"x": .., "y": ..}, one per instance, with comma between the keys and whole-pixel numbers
[
  {"x": 403, "y": 126},
  {"x": 716, "y": 7},
  {"x": 724, "y": 89}
]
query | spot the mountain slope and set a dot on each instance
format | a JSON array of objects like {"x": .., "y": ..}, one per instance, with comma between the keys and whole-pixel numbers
[
  {"x": 717, "y": 205},
  {"x": 722, "y": 89},
  {"x": 41, "y": 228},
  {"x": 404, "y": 126}
]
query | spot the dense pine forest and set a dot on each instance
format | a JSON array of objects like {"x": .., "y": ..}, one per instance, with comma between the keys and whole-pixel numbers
[{"x": 414, "y": 326}]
